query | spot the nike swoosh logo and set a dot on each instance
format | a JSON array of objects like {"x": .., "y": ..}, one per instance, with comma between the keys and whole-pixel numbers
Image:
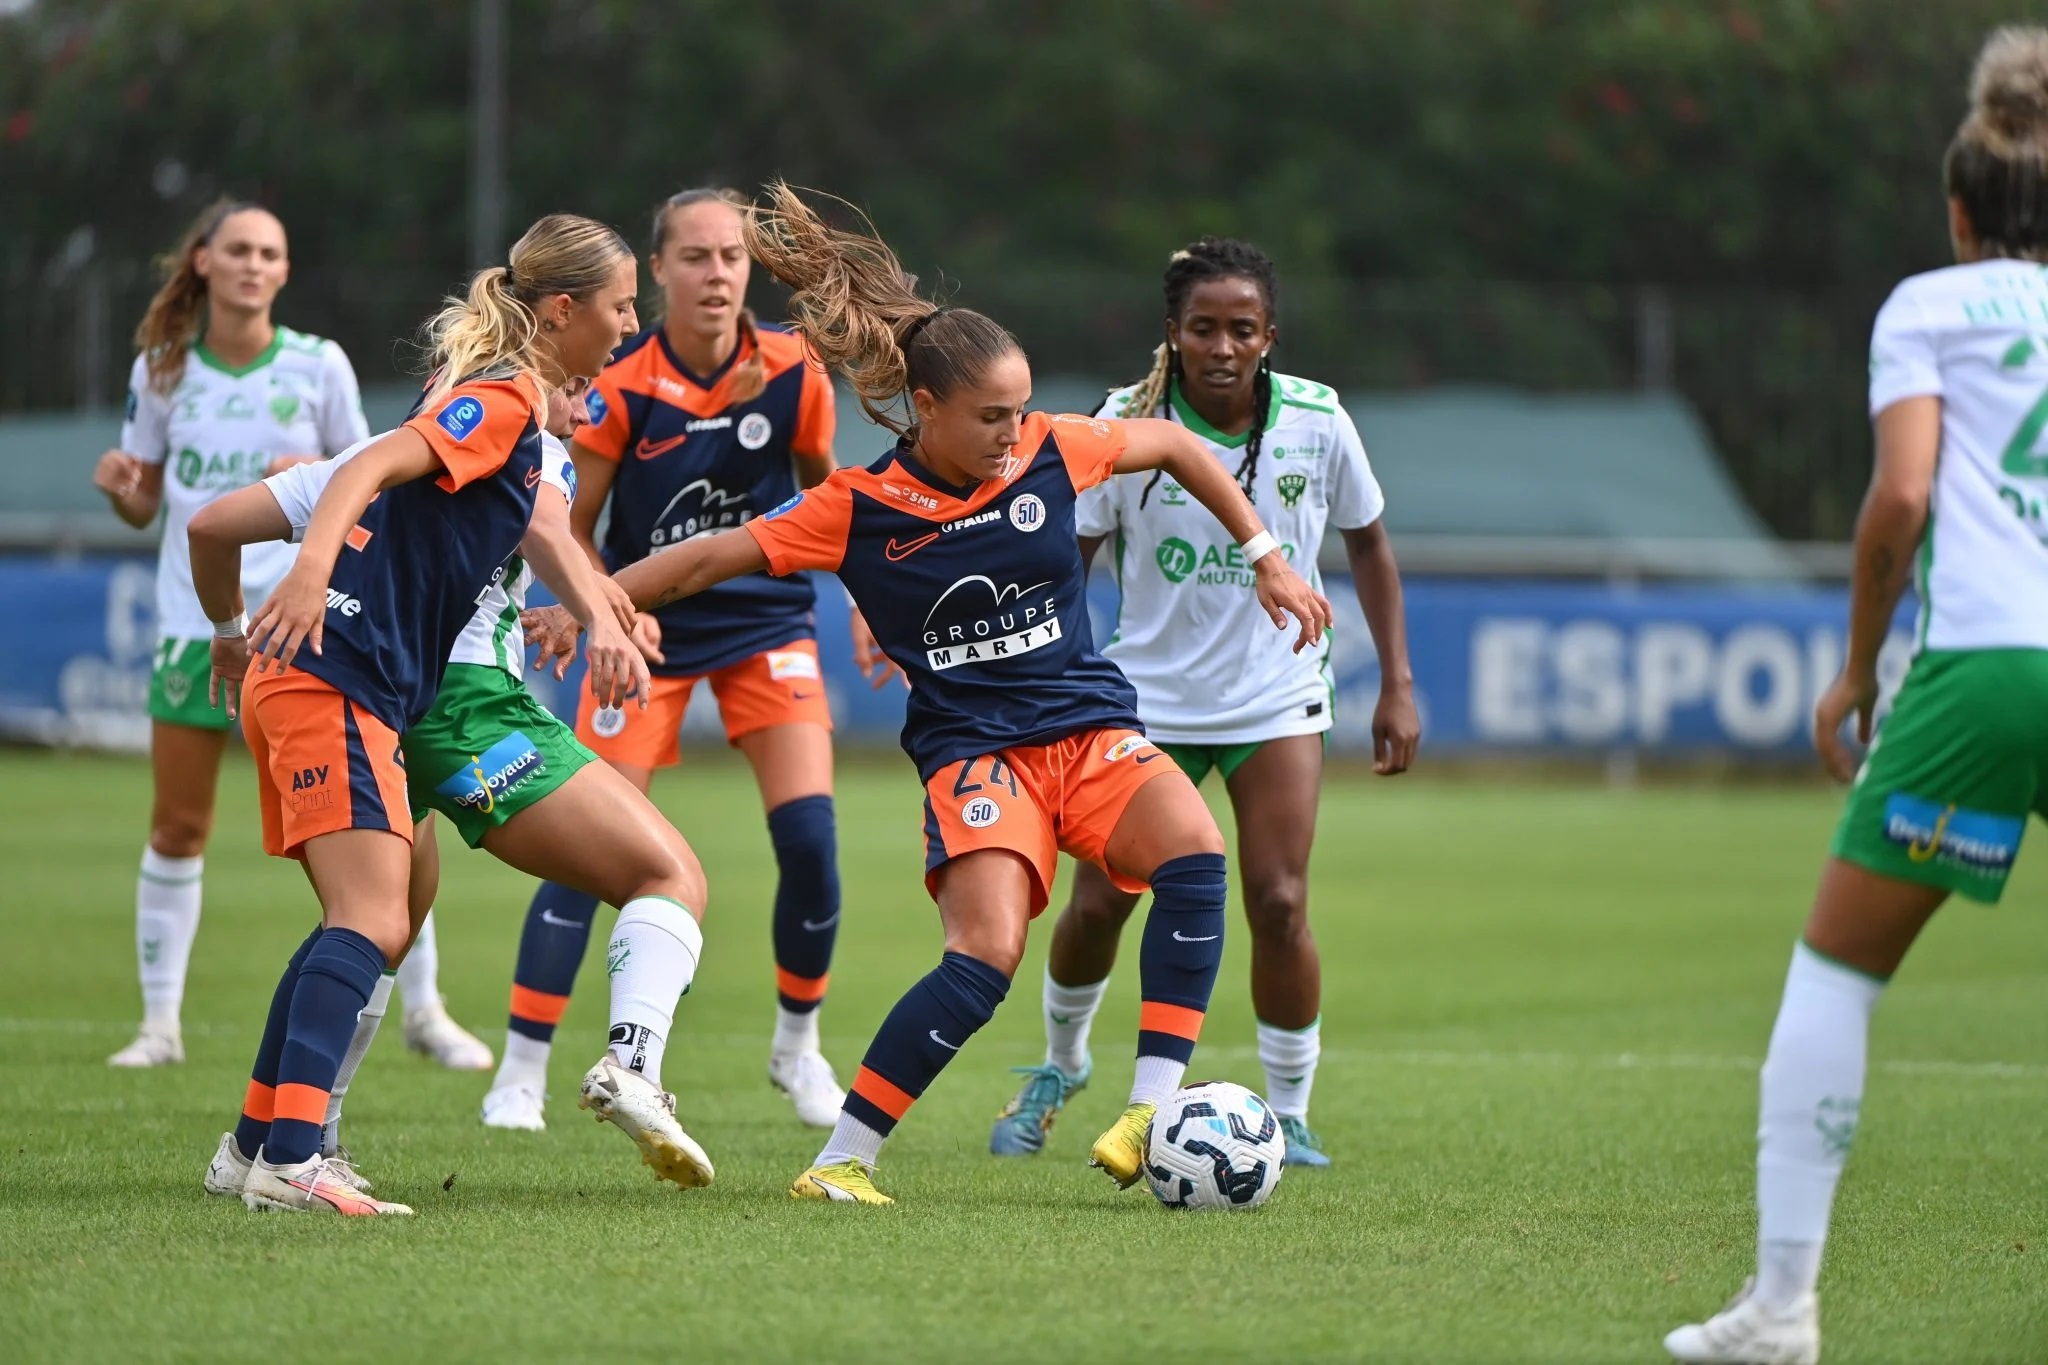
[
  {"x": 1062, "y": 1019},
  {"x": 532, "y": 477},
  {"x": 822, "y": 925},
  {"x": 1147, "y": 758},
  {"x": 802, "y": 696},
  {"x": 1179, "y": 937},
  {"x": 550, "y": 917},
  {"x": 950, "y": 1047},
  {"x": 648, "y": 450},
  {"x": 897, "y": 550}
]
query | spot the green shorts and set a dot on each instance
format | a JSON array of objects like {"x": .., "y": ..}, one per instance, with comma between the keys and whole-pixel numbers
[
  {"x": 1199, "y": 760},
  {"x": 486, "y": 751},
  {"x": 178, "y": 681},
  {"x": 1962, "y": 759}
]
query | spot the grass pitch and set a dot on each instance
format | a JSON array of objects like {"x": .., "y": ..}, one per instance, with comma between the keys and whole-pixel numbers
[{"x": 1544, "y": 1010}]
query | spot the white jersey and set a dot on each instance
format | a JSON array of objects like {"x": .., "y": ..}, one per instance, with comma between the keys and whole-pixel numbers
[
  {"x": 1191, "y": 636},
  {"x": 491, "y": 636},
  {"x": 218, "y": 431},
  {"x": 1976, "y": 336}
]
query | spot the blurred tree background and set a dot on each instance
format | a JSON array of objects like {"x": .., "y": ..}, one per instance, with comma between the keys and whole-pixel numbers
[{"x": 1552, "y": 194}]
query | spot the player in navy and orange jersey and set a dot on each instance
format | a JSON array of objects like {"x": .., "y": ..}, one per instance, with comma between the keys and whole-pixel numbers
[
  {"x": 406, "y": 537},
  {"x": 698, "y": 426},
  {"x": 958, "y": 546}
]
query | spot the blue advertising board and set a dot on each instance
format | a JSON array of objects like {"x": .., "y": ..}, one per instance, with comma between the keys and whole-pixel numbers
[{"x": 1500, "y": 665}]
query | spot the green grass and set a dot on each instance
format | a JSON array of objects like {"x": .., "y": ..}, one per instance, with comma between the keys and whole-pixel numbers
[{"x": 1544, "y": 1008}]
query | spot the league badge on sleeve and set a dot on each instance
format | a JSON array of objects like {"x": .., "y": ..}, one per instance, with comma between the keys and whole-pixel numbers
[
  {"x": 461, "y": 417},
  {"x": 782, "y": 507},
  {"x": 594, "y": 404}
]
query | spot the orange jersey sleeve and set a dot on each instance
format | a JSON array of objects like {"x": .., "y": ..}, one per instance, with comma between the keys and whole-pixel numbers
[
  {"x": 816, "y": 416},
  {"x": 809, "y": 531},
  {"x": 475, "y": 427},
  {"x": 609, "y": 428},
  {"x": 1091, "y": 446}
]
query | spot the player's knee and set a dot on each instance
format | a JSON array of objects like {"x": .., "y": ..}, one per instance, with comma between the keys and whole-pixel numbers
[
  {"x": 1000, "y": 945},
  {"x": 179, "y": 833},
  {"x": 1100, "y": 912},
  {"x": 1277, "y": 907}
]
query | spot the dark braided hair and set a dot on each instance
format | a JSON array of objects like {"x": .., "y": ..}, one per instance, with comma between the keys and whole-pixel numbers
[{"x": 1210, "y": 258}]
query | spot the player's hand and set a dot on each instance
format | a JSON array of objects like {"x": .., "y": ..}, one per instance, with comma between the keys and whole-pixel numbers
[
  {"x": 646, "y": 637},
  {"x": 616, "y": 669},
  {"x": 1845, "y": 696},
  {"x": 230, "y": 666},
  {"x": 621, "y": 603},
  {"x": 555, "y": 631},
  {"x": 281, "y": 463},
  {"x": 868, "y": 657},
  {"x": 118, "y": 474},
  {"x": 1396, "y": 731},
  {"x": 1283, "y": 593},
  {"x": 295, "y": 614}
]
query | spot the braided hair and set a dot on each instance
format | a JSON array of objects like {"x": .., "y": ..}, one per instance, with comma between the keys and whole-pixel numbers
[{"x": 1210, "y": 258}]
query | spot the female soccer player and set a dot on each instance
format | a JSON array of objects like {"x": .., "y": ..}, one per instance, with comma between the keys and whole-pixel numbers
[
  {"x": 403, "y": 542},
  {"x": 219, "y": 396},
  {"x": 1958, "y": 365},
  {"x": 1215, "y": 694},
  {"x": 958, "y": 546},
  {"x": 697, "y": 426}
]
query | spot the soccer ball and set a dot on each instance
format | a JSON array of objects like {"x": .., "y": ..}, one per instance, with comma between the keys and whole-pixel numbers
[{"x": 1214, "y": 1146}]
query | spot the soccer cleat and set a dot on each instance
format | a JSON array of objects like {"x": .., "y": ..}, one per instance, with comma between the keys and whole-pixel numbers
[
  {"x": 647, "y": 1114},
  {"x": 806, "y": 1077},
  {"x": 1749, "y": 1332},
  {"x": 152, "y": 1047},
  {"x": 431, "y": 1032},
  {"x": 343, "y": 1168},
  {"x": 1022, "y": 1126},
  {"x": 1304, "y": 1148},
  {"x": 515, "y": 1106},
  {"x": 309, "y": 1187},
  {"x": 1121, "y": 1150},
  {"x": 844, "y": 1182},
  {"x": 229, "y": 1169}
]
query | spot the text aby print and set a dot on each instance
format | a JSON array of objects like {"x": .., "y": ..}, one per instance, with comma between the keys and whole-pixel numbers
[{"x": 975, "y": 621}]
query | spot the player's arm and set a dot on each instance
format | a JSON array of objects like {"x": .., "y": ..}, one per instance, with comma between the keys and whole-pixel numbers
[
  {"x": 1152, "y": 443},
  {"x": 1089, "y": 546},
  {"x": 135, "y": 488},
  {"x": 297, "y": 610},
  {"x": 595, "y": 475},
  {"x": 1888, "y": 534},
  {"x": 1396, "y": 726},
  {"x": 691, "y": 567},
  {"x": 617, "y": 670},
  {"x": 215, "y": 536}
]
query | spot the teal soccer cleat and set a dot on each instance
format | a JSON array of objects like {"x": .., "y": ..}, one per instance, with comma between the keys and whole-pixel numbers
[
  {"x": 1303, "y": 1147},
  {"x": 1021, "y": 1128}
]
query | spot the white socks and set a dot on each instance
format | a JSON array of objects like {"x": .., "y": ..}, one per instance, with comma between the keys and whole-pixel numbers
[
  {"x": 851, "y": 1140},
  {"x": 651, "y": 960},
  {"x": 1812, "y": 1089},
  {"x": 1289, "y": 1057},
  {"x": 1156, "y": 1079},
  {"x": 1069, "y": 1010},
  {"x": 419, "y": 976},
  {"x": 794, "y": 1032},
  {"x": 525, "y": 1062},
  {"x": 371, "y": 1015},
  {"x": 166, "y": 922}
]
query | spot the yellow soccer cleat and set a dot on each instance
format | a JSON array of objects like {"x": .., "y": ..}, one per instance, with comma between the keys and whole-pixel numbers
[
  {"x": 843, "y": 1182},
  {"x": 1121, "y": 1150}
]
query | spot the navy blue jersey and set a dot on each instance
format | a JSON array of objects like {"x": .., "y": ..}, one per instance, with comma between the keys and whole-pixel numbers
[
  {"x": 976, "y": 593},
  {"x": 691, "y": 462},
  {"x": 408, "y": 580}
]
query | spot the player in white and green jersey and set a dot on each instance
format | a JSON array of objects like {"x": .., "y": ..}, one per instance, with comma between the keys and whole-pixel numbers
[
  {"x": 1257, "y": 715},
  {"x": 220, "y": 396},
  {"x": 1959, "y": 501}
]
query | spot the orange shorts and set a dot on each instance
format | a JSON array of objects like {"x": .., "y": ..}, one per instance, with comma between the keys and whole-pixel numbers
[
  {"x": 775, "y": 687},
  {"x": 323, "y": 763},
  {"x": 1039, "y": 802}
]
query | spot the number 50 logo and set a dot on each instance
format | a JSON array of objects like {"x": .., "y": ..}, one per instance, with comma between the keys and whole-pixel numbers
[{"x": 980, "y": 813}]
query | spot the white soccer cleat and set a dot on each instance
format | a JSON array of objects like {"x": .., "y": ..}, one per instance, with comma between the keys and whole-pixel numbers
[
  {"x": 229, "y": 1170},
  {"x": 806, "y": 1077},
  {"x": 1748, "y": 1332},
  {"x": 431, "y": 1032},
  {"x": 152, "y": 1047},
  {"x": 645, "y": 1113},
  {"x": 343, "y": 1168},
  {"x": 515, "y": 1106},
  {"x": 312, "y": 1186}
]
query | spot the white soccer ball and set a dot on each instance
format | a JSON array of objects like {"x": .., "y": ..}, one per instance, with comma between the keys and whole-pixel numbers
[{"x": 1214, "y": 1146}]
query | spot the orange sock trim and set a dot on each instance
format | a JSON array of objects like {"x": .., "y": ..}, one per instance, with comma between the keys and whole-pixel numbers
[
  {"x": 260, "y": 1103},
  {"x": 306, "y": 1103},
  {"x": 805, "y": 988},
  {"x": 1155, "y": 1016},
  {"x": 538, "y": 1006},
  {"x": 891, "y": 1099}
]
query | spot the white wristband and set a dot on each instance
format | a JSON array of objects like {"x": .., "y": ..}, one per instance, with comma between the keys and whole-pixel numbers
[
  {"x": 232, "y": 630},
  {"x": 1259, "y": 546}
]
